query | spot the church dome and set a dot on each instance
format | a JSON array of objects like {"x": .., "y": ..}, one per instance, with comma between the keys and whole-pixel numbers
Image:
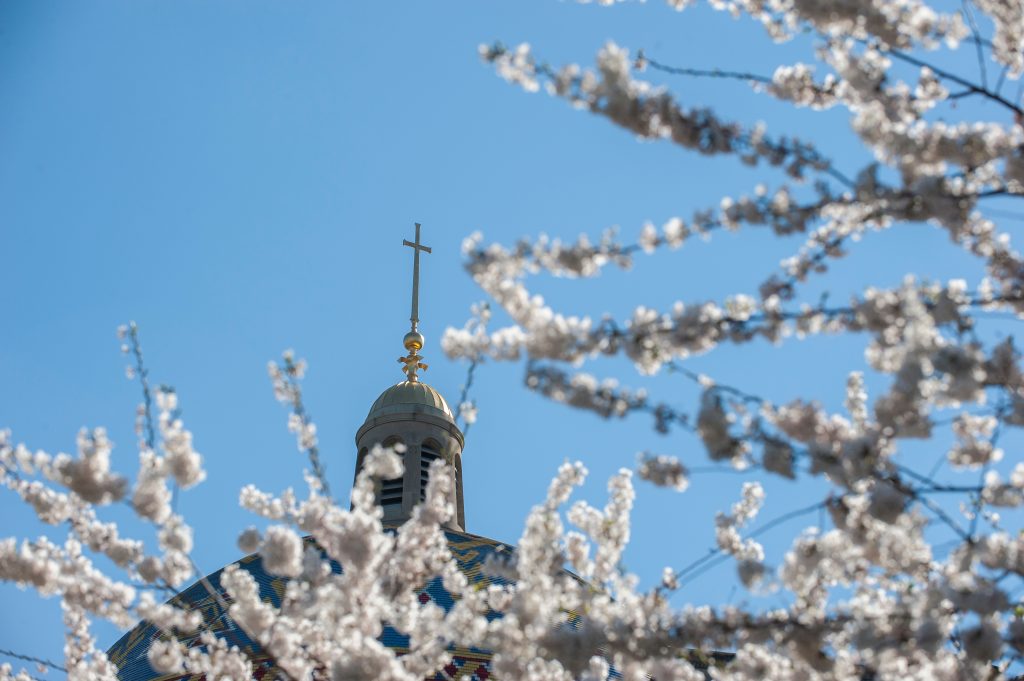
[
  {"x": 470, "y": 551},
  {"x": 410, "y": 413},
  {"x": 410, "y": 396}
]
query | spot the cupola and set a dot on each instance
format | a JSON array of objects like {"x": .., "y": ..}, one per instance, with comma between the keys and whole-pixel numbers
[{"x": 415, "y": 415}]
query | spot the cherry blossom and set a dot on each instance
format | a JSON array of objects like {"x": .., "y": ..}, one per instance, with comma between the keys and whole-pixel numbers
[{"x": 893, "y": 582}]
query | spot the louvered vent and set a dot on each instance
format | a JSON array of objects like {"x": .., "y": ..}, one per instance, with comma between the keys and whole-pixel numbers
[
  {"x": 429, "y": 452},
  {"x": 391, "y": 492}
]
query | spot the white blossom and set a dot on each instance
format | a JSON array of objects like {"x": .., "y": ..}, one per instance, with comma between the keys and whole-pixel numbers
[
  {"x": 249, "y": 540},
  {"x": 664, "y": 471},
  {"x": 748, "y": 552},
  {"x": 89, "y": 476},
  {"x": 468, "y": 412},
  {"x": 975, "y": 446},
  {"x": 893, "y": 586},
  {"x": 1008, "y": 41},
  {"x": 282, "y": 551},
  {"x": 166, "y": 656}
]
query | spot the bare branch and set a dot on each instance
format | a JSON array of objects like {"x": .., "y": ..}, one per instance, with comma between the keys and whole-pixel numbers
[{"x": 36, "y": 660}]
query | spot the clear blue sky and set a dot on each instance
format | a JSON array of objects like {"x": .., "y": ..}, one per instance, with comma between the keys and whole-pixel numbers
[{"x": 237, "y": 177}]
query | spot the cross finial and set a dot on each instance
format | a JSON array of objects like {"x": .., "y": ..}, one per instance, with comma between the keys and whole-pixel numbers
[
  {"x": 414, "y": 339},
  {"x": 416, "y": 248}
]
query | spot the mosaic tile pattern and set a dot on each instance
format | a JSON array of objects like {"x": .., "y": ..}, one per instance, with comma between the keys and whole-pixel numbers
[{"x": 469, "y": 664}]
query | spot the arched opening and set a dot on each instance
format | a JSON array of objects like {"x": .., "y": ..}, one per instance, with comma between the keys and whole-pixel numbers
[
  {"x": 460, "y": 508},
  {"x": 360, "y": 459},
  {"x": 430, "y": 451},
  {"x": 391, "y": 490}
]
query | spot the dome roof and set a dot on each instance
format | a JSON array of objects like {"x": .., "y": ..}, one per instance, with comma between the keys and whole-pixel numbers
[
  {"x": 470, "y": 551},
  {"x": 410, "y": 396}
]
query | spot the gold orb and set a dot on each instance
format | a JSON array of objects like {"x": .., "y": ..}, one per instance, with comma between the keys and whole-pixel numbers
[{"x": 413, "y": 341}]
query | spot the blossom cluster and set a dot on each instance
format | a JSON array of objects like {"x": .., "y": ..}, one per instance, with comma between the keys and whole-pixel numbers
[
  {"x": 913, "y": 611},
  {"x": 331, "y": 622},
  {"x": 895, "y": 584},
  {"x": 286, "y": 377},
  {"x": 647, "y": 111},
  {"x": 70, "y": 492}
]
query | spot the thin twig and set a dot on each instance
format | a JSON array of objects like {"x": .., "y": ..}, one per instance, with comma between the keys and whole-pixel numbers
[
  {"x": 147, "y": 399},
  {"x": 742, "y": 76},
  {"x": 676, "y": 367},
  {"x": 738, "y": 140},
  {"x": 1001, "y": 411},
  {"x": 979, "y": 48},
  {"x": 909, "y": 472},
  {"x": 788, "y": 516},
  {"x": 703, "y": 73},
  {"x": 715, "y": 551},
  {"x": 1002, "y": 78},
  {"x": 465, "y": 394},
  {"x": 299, "y": 410},
  {"x": 143, "y": 374},
  {"x": 942, "y": 73},
  {"x": 30, "y": 658},
  {"x": 943, "y": 516}
]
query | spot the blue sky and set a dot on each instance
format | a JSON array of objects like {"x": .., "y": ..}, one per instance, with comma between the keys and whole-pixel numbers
[{"x": 237, "y": 177}]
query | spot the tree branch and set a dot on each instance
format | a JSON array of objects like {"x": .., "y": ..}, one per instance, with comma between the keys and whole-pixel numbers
[
  {"x": 36, "y": 660},
  {"x": 942, "y": 73}
]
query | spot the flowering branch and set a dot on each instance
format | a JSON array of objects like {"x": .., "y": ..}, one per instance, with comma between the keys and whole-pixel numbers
[
  {"x": 970, "y": 87},
  {"x": 647, "y": 112},
  {"x": 37, "y": 660},
  {"x": 287, "y": 390},
  {"x": 130, "y": 332}
]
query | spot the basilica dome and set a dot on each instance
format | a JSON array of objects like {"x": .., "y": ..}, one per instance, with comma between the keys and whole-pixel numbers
[
  {"x": 409, "y": 413},
  {"x": 470, "y": 664},
  {"x": 415, "y": 416}
]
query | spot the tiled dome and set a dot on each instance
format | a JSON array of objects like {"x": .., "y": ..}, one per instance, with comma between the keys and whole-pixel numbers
[{"x": 130, "y": 653}]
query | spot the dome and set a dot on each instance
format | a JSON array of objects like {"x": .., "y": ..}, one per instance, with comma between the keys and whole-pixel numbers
[
  {"x": 470, "y": 551},
  {"x": 410, "y": 396}
]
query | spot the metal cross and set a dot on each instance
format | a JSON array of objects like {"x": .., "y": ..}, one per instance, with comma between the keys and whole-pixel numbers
[{"x": 416, "y": 247}]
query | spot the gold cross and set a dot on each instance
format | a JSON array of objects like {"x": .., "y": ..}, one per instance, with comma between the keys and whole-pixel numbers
[
  {"x": 413, "y": 340},
  {"x": 416, "y": 247}
]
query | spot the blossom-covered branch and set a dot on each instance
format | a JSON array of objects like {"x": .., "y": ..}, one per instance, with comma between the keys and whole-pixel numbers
[
  {"x": 287, "y": 390},
  {"x": 650, "y": 112}
]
